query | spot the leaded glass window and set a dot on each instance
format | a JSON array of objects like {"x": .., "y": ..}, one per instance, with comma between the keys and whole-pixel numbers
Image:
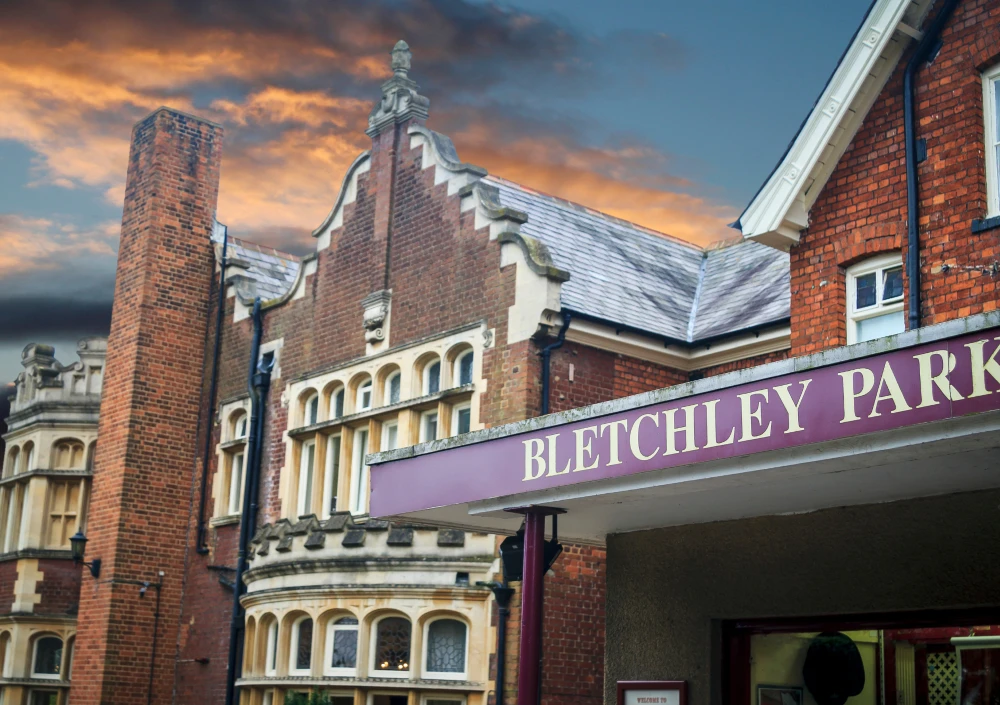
[
  {"x": 392, "y": 645},
  {"x": 465, "y": 369},
  {"x": 303, "y": 637},
  {"x": 48, "y": 657},
  {"x": 344, "y": 643},
  {"x": 446, "y": 646}
]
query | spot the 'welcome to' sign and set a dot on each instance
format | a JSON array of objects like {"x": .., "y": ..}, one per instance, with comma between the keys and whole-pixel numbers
[{"x": 934, "y": 382}]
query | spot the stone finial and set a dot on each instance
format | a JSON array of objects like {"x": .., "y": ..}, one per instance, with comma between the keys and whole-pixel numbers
[
  {"x": 401, "y": 99},
  {"x": 401, "y": 56}
]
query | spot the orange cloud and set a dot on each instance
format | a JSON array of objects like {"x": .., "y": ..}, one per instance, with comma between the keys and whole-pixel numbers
[{"x": 28, "y": 244}]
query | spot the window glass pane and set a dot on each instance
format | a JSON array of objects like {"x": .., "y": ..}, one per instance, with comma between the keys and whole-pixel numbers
[
  {"x": 865, "y": 296},
  {"x": 390, "y": 434},
  {"x": 303, "y": 645},
  {"x": 996, "y": 110},
  {"x": 394, "y": 389},
  {"x": 365, "y": 396},
  {"x": 392, "y": 647},
  {"x": 430, "y": 427},
  {"x": 48, "y": 656},
  {"x": 345, "y": 643},
  {"x": 272, "y": 646},
  {"x": 236, "y": 484},
  {"x": 333, "y": 472},
  {"x": 446, "y": 646},
  {"x": 338, "y": 404},
  {"x": 464, "y": 420},
  {"x": 881, "y": 326},
  {"x": 306, "y": 478},
  {"x": 465, "y": 370},
  {"x": 312, "y": 410},
  {"x": 359, "y": 483},
  {"x": 892, "y": 283},
  {"x": 434, "y": 378},
  {"x": 44, "y": 697}
]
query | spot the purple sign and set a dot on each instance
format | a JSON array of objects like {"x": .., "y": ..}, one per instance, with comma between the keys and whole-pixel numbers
[{"x": 937, "y": 381}]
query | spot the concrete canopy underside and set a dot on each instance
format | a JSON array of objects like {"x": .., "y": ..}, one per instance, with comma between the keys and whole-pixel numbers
[{"x": 955, "y": 455}]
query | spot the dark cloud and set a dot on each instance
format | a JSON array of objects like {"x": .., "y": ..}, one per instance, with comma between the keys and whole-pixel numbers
[{"x": 41, "y": 317}]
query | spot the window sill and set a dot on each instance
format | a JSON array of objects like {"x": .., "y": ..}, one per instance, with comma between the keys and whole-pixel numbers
[
  {"x": 979, "y": 226},
  {"x": 226, "y": 520},
  {"x": 235, "y": 443}
]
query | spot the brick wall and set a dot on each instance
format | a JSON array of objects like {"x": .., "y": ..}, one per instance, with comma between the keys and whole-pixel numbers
[
  {"x": 144, "y": 467},
  {"x": 60, "y": 588},
  {"x": 862, "y": 209}
]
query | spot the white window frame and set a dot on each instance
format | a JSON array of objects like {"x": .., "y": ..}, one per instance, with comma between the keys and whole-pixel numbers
[
  {"x": 425, "y": 376},
  {"x": 235, "y": 504},
  {"x": 302, "y": 507},
  {"x": 268, "y": 698},
  {"x": 330, "y": 478},
  {"x": 991, "y": 85},
  {"x": 293, "y": 648},
  {"x": 240, "y": 426},
  {"x": 341, "y": 392},
  {"x": 457, "y": 381},
  {"x": 310, "y": 405},
  {"x": 454, "y": 416},
  {"x": 450, "y": 697},
  {"x": 387, "y": 394},
  {"x": 271, "y": 649},
  {"x": 359, "y": 472},
  {"x": 34, "y": 657},
  {"x": 875, "y": 264},
  {"x": 363, "y": 389},
  {"x": 373, "y": 650},
  {"x": 423, "y": 436},
  {"x": 331, "y": 632},
  {"x": 444, "y": 675},
  {"x": 384, "y": 444}
]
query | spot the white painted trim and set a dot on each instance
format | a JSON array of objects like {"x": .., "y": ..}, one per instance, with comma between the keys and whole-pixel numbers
[
  {"x": 873, "y": 265},
  {"x": 781, "y": 209},
  {"x": 991, "y": 85},
  {"x": 635, "y": 345}
]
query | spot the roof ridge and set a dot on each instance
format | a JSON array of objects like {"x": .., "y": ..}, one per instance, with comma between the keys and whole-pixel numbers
[
  {"x": 697, "y": 296},
  {"x": 579, "y": 206},
  {"x": 264, "y": 249}
]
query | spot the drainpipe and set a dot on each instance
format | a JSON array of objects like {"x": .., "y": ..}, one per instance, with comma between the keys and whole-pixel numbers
[
  {"x": 259, "y": 382},
  {"x": 927, "y": 46},
  {"x": 502, "y": 593},
  {"x": 212, "y": 390},
  {"x": 547, "y": 359}
]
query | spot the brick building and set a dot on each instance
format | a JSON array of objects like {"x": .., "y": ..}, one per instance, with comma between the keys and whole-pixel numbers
[
  {"x": 440, "y": 300},
  {"x": 811, "y": 530},
  {"x": 49, "y": 438}
]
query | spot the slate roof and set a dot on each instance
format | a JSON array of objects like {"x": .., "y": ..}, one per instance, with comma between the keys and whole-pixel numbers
[
  {"x": 627, "y": 274},
  {"x": 266, "y": 272}
]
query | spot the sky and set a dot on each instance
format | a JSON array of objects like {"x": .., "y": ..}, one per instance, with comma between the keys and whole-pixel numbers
[{"x": 665, "y": 113}]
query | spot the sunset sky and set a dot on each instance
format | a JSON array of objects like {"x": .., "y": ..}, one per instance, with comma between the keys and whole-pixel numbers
[{"x": 666, "y": 113}]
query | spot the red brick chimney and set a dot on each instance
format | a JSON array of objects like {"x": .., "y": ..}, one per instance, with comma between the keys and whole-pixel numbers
[{"x": 143, "y": 470}]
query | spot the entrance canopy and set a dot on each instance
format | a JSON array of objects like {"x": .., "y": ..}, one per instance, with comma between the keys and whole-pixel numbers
[{"x": 910, "y": 415}]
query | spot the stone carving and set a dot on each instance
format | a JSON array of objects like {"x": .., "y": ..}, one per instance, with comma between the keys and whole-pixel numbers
[
  {"x": 488, "y": 338},
  {"x": 400, "y": 97},
  {"x": 376, "y": 314}
]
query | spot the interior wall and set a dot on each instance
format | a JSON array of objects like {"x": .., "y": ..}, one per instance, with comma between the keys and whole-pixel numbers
[{"x": 670, "y": 589}]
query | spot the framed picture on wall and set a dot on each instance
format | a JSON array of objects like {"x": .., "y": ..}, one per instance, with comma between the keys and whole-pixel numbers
[
  {"x": 779, "y": 695},
  {"x": 652, "y": 693}
]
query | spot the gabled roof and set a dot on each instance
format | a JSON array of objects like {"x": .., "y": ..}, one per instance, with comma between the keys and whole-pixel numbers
[
  {"x": 629, "y": 275},
  {"x": 780, "y": 209}
]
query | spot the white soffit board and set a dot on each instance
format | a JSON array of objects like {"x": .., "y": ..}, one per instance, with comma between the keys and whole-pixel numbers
[{"x": 780, "y": 209}]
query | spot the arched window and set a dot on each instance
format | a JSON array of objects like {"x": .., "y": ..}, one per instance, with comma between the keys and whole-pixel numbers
[
  {"x": 28, "y": 457},
  {"x": 341, "y": 647},
  {"x": 67, "y": 454},
  {"x": 300, "y": 653},
  {"x": 271, "y": 648},
  {"x": 307, "y": 472},
  {"x": 432, "y": 377},
  {"x": 391, "y": 654},
  {"x": 463, "y": 369},
  {"x": 310, "y": 409},
  {"x": 392, "y": 389},
  {"x": 445, "y": 649},
  {"x": 12, "y": 457},
  {"x": 46, "y": 661},
  {"x": 236, "y": 482},
  {"x": 239, "y": 427},
  {"x": 4, "y": 651},
  {"x": 363, "y": 400},
  {"x": 337, "y": 403}
]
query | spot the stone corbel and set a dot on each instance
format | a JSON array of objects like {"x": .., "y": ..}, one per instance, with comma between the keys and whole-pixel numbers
[{"x": 376, "y": 315}]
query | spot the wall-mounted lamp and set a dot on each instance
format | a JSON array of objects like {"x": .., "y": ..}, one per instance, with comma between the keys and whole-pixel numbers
[{"x": 78, "y": 546}]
